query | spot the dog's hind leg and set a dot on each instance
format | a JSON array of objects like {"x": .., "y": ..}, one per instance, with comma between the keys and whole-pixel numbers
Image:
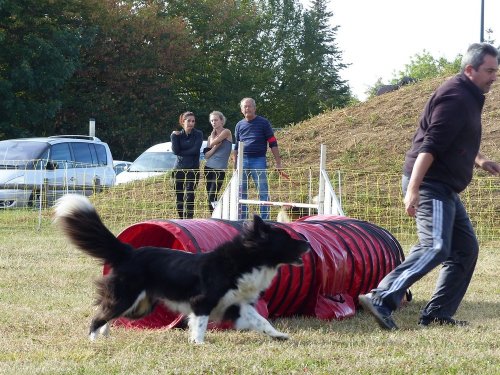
[
  {"x": 133, "y": 309},
  {"x": 250, "y": 319},
  {"x": 102, "y": 330},
  {"x": 99, "y": 324},
  {"x": 197, "y": 328}
]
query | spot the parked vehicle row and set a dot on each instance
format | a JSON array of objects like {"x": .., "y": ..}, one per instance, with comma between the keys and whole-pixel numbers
[{"x": 37, "y": 171}]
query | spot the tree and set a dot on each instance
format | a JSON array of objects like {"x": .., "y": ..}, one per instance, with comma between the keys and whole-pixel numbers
[
  {"x": 134, "y": 65},
  {"x": 263, "y": 50},
  {"x": 40, "y": 41},
  {"x": 282, "y": 96},
  {"x": 489, "y": 36},
  {"x": 322, "y": 61},
  {"x": 231, "y": 60},
  {"x": 306, "y": 60},
  {"x": 127, "y": 78},
  {"x": 422, "y": 66}
]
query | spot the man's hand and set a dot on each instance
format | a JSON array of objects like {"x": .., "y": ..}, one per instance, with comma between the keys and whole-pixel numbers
[
  {"x": 411, "y": 202},
  {"x": 491, "y": 167},
  {"x": 420, "y": 168},
  {"x": 488, "y": 165},
  {"x": 277, "y": 157}
]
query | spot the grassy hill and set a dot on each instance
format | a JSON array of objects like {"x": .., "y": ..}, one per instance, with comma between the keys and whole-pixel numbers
[{"x": 374, "y": 135}]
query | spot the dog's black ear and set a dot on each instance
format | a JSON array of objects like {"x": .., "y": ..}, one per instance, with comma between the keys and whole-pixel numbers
[
  {"x": 255, "y": 231},
  {"x": 259, "y": 225},
  {"x": 256, "y": 228}
]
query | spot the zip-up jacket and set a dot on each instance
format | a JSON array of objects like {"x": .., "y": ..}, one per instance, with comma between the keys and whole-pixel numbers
[{"x": 187, "y": 148}]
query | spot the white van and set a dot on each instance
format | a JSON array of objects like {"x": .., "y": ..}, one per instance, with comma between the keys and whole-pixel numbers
[
  {"x": 37, "y": 171},
  {"x": 156, "y": 160}
]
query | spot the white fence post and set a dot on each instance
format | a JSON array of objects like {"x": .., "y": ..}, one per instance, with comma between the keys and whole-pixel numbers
[
  {"x": 228, "y": 206},
  {"x": 321, "y": 195},
  {"x": 236, "y": 208},
  {"x": 92, "y": 127}
]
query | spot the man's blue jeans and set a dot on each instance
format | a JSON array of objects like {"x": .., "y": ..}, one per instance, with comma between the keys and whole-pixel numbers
[{"x": 257, "y": 169}]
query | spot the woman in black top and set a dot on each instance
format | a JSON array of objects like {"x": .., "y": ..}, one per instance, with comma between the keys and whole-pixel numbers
[{"x": 186, "y": 144}]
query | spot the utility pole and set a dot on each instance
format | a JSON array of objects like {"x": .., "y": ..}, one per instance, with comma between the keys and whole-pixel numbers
[{"x": 482, "y": 22}]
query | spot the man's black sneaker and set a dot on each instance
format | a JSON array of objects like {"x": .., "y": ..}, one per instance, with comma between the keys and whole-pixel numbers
[
  {"x": 381, "y": 314},
  {"x": 427, "y": 321}
]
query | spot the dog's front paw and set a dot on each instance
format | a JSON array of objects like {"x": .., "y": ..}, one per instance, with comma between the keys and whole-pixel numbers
[
  {"x": 194, "y": 340},
  {"x": 198, "y": 327}
]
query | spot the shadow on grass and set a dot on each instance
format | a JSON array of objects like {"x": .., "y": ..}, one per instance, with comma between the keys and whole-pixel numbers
[{"x": 478, "y": 314}]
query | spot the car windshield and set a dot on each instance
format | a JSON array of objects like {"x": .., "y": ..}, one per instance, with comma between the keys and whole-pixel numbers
[
  {"x": 153, "y": 162},
  {"x": 22, "y": 154}
]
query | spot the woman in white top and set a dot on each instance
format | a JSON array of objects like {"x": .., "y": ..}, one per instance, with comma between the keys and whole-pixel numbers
[{"x": 219, "y": 146}]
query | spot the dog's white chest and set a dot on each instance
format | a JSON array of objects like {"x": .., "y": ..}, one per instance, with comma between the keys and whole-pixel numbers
[
  {"x": 249, "y": 287},
  {"x": 251, "y": 284}
]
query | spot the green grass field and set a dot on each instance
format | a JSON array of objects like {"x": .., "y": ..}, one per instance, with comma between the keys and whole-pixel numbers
[{"x": 46, "y": 297}]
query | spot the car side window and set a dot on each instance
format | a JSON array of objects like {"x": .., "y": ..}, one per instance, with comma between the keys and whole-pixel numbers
[
  {"x": 81, "y": 151},
  {"x": 102, "y": 155},
  {"x": 93, "y": 152},
  {"x": 61, "y": 155}
]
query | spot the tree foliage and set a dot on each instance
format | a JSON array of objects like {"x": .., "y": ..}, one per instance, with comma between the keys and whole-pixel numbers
[
  {"x": 134, "y": 65},
  {"x": 230, "y": 59},
  {"x": 127, "y": 77},
  {"x": 40, "y": 42},
  {"x": 422, "y": 66},
  {"x": 324, "y": 89}
]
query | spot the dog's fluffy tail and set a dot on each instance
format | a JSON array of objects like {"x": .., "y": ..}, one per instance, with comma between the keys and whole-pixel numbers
[{"x": 79, "y": 221}]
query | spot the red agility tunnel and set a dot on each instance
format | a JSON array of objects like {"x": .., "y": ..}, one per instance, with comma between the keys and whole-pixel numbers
[{"x": 348, "y": 257}]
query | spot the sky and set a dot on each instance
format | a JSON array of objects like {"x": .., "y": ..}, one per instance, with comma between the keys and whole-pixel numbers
[{"x": 379, "y": 37}]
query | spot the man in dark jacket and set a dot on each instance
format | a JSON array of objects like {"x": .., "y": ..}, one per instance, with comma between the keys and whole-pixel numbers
[{"x": 437, "y": 168}]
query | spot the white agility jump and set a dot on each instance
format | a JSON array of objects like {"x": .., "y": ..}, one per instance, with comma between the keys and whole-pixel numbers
[{"x": 228, "y": 206}]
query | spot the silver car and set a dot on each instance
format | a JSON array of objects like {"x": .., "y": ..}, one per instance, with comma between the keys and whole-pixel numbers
[
  {"x": 156, "y": 160},
  {"x": 121, "y": 166},
  {"x": 36, "y": 171}
]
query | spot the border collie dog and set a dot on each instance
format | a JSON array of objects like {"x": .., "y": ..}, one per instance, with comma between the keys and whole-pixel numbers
[{"x": 223, "y": 284}]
